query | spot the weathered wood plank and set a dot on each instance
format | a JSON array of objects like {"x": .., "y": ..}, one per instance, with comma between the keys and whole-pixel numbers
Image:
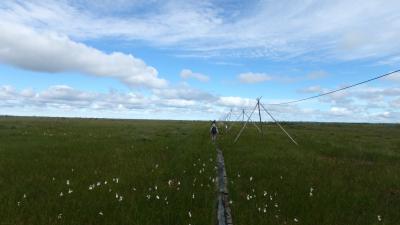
[{"x": 224, "y": 215}]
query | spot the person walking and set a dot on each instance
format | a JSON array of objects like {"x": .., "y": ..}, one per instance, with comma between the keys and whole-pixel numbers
[{"x": 214, "y": 131}]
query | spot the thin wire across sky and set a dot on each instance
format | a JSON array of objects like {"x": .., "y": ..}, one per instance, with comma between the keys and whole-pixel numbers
[{"x": 337, "y": 90}]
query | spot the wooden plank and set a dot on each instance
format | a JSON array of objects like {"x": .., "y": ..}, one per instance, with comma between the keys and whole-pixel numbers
[{"x": 224, "y": 215}]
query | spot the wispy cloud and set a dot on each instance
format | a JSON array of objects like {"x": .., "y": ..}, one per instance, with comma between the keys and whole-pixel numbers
[
  {"x": 317, "y": 75},
  {"x": 186, "y": 74},
  {"x": 312, "y": 90},
  {"x": 285, "y": 29},
  {"x": 251, "y": 78},
  {"x": 185, "y": 92},
  {"x": 393, "y": 77}
]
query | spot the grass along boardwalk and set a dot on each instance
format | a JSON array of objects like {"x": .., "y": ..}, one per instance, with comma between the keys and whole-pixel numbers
[{"x": 86, "y": 171}]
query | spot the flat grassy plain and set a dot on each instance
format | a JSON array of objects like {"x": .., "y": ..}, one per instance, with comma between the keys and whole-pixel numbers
[
  {"x": 87, "y": 171},
  {"x": 339, "y": 174}
]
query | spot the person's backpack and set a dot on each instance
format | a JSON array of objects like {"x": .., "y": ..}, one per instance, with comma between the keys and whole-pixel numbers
[{"x": 214, "y": 130}]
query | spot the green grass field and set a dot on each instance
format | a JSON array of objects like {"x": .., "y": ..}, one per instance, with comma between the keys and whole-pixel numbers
[
  {"x": 139, "y": 172},
  {"x": 87, "y": 171}
]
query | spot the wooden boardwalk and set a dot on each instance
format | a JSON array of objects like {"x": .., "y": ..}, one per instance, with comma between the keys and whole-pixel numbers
[{"x": 224, "y": 216}]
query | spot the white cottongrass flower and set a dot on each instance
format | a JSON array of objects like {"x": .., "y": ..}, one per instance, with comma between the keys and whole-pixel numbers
[
  {"x": 155, "y": 187},
  {"x": 276, "y": 205},
  {"x": 379, "y": 218},
  {"x": 24, "y": 196},
  {"x": 18, "y": 203},
  {"x": 230, "y": 202},
  {"x": 105, "y": 182},
  {"x": 265, "y": 210},
  {"x": 265, "y": 193},
  {"x": 134, "y": 189},
  {"x": 90, "y": 187},
  {"x": 70, "y": 191},
  {"x": 251, "y": 178},
  {"x": 61, "y": 194},
  {"x": 116, "y": 180},
  {"x": 101, "y": 213},
  {"x": 190, "y": 214},
  {"x": 116, "y": 195},
  {"x": 193, "y": 196},
  {"x": 59, "y": 216},
  {"x": 295, "y": 220},
  {"x": 67, "y": 182},
  {"x": 120, "y": 198},
  {"x": 148, "y": 197},
  {"x": 157, "y": 197},
  {"x": 156, "y": 166},
  {"x": 169, "y": 182}
]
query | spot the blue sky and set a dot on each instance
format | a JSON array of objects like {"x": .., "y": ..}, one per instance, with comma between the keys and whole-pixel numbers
[{"x": 199, "y": 59}]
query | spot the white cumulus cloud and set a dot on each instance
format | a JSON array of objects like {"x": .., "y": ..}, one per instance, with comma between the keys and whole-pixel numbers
[
  {"x": 233, "y": 101},
  {"x": 340, "y": 111},
  {"x": 29, "y": 49}
]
